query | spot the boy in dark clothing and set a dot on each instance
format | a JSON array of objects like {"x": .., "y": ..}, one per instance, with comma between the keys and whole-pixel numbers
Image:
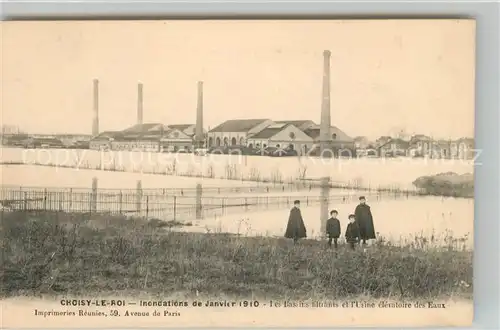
[
  {"x": 333, "y": 228},
  {"x": 352, "y": 232}
]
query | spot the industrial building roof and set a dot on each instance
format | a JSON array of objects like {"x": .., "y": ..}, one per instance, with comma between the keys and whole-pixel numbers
[
  {"x": 180, "y": 127},
  {"x": 269, "y": 132},
  {"x": 138, "y": 128},
  {"x": 238, "y": 125},
  {"x": 297, "y": 123},
  {"x": 314, "y": 132}
]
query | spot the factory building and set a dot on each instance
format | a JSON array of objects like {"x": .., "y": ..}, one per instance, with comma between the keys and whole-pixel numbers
[
  {"x": 149, "y": 137},
  {"x": 281, "y": 135},
  {"x": 177, "y": 139},
  {"x": 236, "y": 132},
  {"x": 338, "y": 138}
]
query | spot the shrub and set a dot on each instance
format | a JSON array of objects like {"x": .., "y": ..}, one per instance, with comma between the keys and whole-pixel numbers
[{"x": 447, "y": 184}]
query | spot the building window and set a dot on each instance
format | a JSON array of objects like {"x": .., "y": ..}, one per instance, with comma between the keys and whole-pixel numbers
[
  {"x": 233, "y": 141},
  {"x": 250, "y": 146},
  {"x": 334, "y": 136},
  {"x": 242, "y": 141},
  {"x": 291, "y": 146},
  {"x": 264, "y": 145},
  {"x": 217, "y": 142},
  {"x": 210, "y": 141},
  {"x": 226, "y": 141},
  {"x": 278, "y": 145}
]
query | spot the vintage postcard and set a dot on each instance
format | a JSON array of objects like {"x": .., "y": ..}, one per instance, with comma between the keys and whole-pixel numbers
[{"x": 269, "y": 173}]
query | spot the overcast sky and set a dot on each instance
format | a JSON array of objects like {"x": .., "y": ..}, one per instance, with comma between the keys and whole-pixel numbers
[{"x": 385, "y": 75}]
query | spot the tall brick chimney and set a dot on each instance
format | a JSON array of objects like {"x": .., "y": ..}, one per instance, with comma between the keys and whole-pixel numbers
[
  {"x": 199, "y": 136},
  {"x": 139, "y": 104},
  {"x": 324, "y": 135},
  {"x": 95, "y": 121}
]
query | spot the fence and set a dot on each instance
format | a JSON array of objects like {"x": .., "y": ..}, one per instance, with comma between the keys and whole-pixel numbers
[
  {"x": 189, "y": 191},
  {"x": 141, "y": 204},
  {"x": 225, "y": 190}
]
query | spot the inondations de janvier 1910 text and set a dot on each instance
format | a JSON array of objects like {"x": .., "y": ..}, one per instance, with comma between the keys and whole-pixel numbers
[{"x": 117, "y": 308}]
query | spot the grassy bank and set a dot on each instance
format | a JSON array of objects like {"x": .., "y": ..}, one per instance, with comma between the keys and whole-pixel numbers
[{"x": 70, "y": 254}]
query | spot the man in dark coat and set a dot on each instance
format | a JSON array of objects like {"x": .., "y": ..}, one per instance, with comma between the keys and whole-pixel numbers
[
  {"x": 364, "y": 219},
  {"x": 295, "y": 228},
  {"x": 333, "y": 228}
]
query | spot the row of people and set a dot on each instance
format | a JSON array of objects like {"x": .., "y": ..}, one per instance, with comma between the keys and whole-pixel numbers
[{"x": 359, "y": 229}]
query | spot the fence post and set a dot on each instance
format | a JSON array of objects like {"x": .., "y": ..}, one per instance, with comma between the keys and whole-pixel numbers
[
  {"x": 93, "y": 200},
  {"x": 45, "y": 199},
  {"x": 325, "y": 193},
  {"x": 199, "y": 206},
  {"x": 138, "y": 197},
  {"x": 70, "y": 199},
  {"x": 61, "y": 202},
  {"x": 25, "y": 201},
  {"x": 175, "y": 207},
  {"x": 147, "y": 206},
  {"x": 120, "y": 200}
]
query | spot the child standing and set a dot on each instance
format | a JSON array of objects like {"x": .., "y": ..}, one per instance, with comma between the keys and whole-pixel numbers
[
  {"x": 333, "y": 228},
  {"x": 352, "y": 232}
]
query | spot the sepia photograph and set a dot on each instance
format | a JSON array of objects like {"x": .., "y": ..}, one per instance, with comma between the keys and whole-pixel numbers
[{"x": 225, "y": 173}]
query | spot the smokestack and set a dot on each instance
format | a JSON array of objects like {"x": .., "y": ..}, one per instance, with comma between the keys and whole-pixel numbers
[
  {"x": 324, "y": 135},
  {"x": 139, "y": 104},
  {"x": 95, "y": 123},
  {"x": 199, "y": 136}
]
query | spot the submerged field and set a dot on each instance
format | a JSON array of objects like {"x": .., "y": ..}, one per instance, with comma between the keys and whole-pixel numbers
[
  {"x": 359, "y": 172},
  {"x": 44, "y": 176},
  {"x": 65, "y": 254}
]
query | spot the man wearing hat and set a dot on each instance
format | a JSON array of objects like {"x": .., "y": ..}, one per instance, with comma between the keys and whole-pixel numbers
[
  {"x": 364, "y": 218},
  {"x": 295, "y": 228}
]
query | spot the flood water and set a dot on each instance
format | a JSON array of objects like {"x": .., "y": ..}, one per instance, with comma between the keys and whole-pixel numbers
[
  {"x": 364, "y": 172},
  {"x": 396, "y": 218}
]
